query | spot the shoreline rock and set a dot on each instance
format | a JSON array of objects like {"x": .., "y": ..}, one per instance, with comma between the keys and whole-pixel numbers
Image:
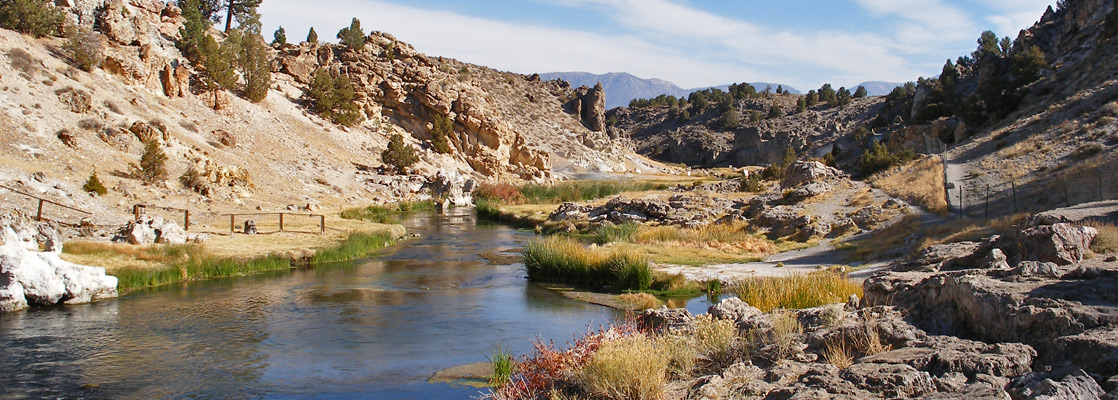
[{"x": 33, "y": 278}]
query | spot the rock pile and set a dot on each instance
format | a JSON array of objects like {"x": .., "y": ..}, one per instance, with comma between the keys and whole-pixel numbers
[{"x": 149, "y": 230}]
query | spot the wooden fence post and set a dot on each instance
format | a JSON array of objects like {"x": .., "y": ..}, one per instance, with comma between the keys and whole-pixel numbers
[
  {"x": 232, "y": 222},
  {"x": 961, "y": 205},
  {"x": 281, "y": 222},
  {"x": 186, "y": 220},
  {"x": 39, "y": 215},
  {"x": 322, "y": 227}
]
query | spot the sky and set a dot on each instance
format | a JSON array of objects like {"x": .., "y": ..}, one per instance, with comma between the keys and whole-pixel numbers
[{"x": 692, "y": 43}]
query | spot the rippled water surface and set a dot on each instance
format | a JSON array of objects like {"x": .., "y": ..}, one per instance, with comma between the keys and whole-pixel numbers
[{"x": 370, "y": 329}]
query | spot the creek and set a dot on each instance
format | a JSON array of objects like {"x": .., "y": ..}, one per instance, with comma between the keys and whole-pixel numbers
[{"x": 373, "y": 328}]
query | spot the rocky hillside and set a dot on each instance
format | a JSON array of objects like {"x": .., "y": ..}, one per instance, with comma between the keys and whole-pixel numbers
[
  {"x": 66, "y": 123},
  {"x": 1008, "y": 116}
]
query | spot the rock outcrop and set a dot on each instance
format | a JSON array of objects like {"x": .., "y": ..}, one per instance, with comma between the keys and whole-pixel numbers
[
  {"x": 453, "y": 188},
  {"x": 32, "y": 278},
  {"x": 590, "y": 106},
  {"x": 1027, "y": 286},
  {"x": 846, "y": 352}
]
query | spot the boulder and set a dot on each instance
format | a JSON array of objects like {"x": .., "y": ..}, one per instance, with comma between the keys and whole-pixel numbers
[
  {"x": 664, "y": 318},
  {"x": 1039, "y": 386},
  {"x": 803, "y": 172},
  {"x": 733, "y": 309},
  {"x": 42, "y": 278},
  {"x": 1060, "y": 243}
]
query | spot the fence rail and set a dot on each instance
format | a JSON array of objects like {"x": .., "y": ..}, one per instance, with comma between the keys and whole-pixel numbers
[
  {"x": 321, "y": 221},
  {"x": 973, "y": 199},
  {"x": 42, "y": 202}
]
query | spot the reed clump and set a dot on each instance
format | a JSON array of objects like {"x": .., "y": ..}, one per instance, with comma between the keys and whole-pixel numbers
[
  {"x": 564, "y": 260},
  {"x": 796, "y": 291}
]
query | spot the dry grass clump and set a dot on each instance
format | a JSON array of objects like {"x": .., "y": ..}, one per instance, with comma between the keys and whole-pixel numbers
[
  {"x": 682, "y": 351},
  {"x": 715, "y": 339},
  {"x": 632, "y": 367},
  {"x": 837, "y": 353},
  {"x": 921, "y": 184},
  {"x": 1032, "y": 145},
  {"x": 784, "y": 334},
  {"x": 565, "y": 260},
  {"x": 639, "y": 301},
  {"x": 1107, "y": 240},
  {"x": 867, "y": 340},
  {"x": 731, "y": 236},
  {"x": 862, "y": 198},
  {"x": 796, "y": 291}
]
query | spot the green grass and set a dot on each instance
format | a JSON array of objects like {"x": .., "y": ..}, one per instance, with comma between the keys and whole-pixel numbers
[
  {"x": 356, "y": 245},
  {"x": 196, "y": 268},
  {"x": 189, "y": 262},
  {"x": 796, "y": 291},
  {"x": 564, "y": 260},
  {"x": 584, "y": 190},
  {"x": 503, "y": 366},
  {"x": 609, "y": 232},
  {"x": 387, "y": 214}
]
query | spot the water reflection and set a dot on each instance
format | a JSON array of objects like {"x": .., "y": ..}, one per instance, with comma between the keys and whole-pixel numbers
[{"x": 373, "y": 328}]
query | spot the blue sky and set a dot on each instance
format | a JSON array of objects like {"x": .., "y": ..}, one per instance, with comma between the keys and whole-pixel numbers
[{"x": 689, "y": 42}]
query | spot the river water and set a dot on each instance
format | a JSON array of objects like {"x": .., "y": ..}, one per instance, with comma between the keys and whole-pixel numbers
[{"x": 374, "y": 328}]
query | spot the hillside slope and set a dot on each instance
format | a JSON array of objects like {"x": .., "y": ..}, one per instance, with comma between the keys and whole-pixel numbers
[{"x": 63, "y": 123}]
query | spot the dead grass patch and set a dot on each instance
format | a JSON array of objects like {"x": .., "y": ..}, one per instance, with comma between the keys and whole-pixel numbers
[
  {"x": 862, "y": 198},
  {"x": 796, "y": 291},
  {"x": 921, "y": 184},
  {"x": 639, "y": 301},
  {"x": 1107, "y": 240}
]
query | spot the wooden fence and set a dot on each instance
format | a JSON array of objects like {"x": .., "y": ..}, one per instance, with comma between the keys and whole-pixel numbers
[
  {"x": 321, "y": 221},
  {"x": 39, "y": 212}
]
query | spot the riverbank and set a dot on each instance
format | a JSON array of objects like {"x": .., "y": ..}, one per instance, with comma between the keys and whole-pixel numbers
[{"x": 227, "y": 255}]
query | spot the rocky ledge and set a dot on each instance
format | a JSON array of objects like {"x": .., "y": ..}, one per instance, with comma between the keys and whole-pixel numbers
[
  {"x": 30, "y": 277},
  {"x": 1032, "y": 285}
]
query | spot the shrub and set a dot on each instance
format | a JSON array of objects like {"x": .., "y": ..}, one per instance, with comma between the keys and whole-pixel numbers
[
  {"x": 752, "y": 183},
  {"x": 632, "y": 367},
  {"x": 217, "y": 70},
  {"x": 796, "y": 291},
  {"x": 776, "y": 111},
  {"x": 152, "y": 160},
  {"x": 1087, "y": 150},
  {"x": 639, "y": 301},
  {"x": 878, "y": 158},
  {"x": 502, "y": 192},
  {"x": 94, "y": 185},
  {"x": 85, "y": 48},
  {"x": 23, "y": 61},
  {"x": 442, "y": 128},
  {"x": 1107, "y": 240},
  {"x": 682, "y": 352},
  {"x": 37, "y": 18},
  {"x": 398, "y": 156},
  {"x": 353, "y": 37}
]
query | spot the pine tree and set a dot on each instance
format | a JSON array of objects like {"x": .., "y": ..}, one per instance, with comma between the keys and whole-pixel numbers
[
  {"x": 398, "y": 156},
  {"x": 256, "y": 68},
  {"x": 217, "y": 69},
  {"x": 243, "y": 10},
  {"x": 280, "y": 37},
  {"x": 332, "y": 98},
  {"x": 37, "y": 18},
  {"x": 193, "y": 30},
  {"x": 353, "y": 37},
  {"x": 152, "y": 160},
  {"x": 312, "y": 36},
  {"x": 861, "y": 92}
]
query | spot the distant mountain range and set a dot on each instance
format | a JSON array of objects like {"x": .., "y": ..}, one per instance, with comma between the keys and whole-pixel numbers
[{"x": 623, "y": 87}]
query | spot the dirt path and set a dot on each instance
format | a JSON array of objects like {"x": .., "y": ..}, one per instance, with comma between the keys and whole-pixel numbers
[{"x": 953, "y": 178}]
